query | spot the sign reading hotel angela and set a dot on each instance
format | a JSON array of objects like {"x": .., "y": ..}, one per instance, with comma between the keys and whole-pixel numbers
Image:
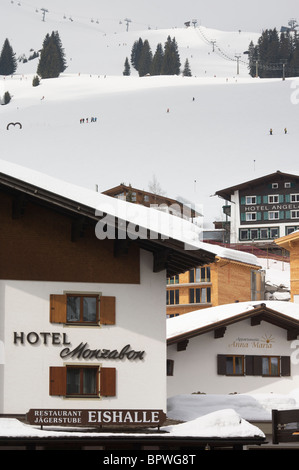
[{"x": 53, "y": 417}]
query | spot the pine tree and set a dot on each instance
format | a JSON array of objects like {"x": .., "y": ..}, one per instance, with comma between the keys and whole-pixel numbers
[
  {"x": 35, "y": 81},
  {"x": 145, "y": 61},
  {"x": 157, "y": 61},
  {"x": 171, "y": 63},
  {"x": 127, "y": 69},
  {"x": 7, "y": 97},
  {"x": 8, "y": 63},
  {"x": 136, "y": 53},
  {"x": 253, "y": 59},
  {"x": 61, "y": 52},
  {"x": 52, "y": 59},
  {"x": 187, "y": 70},
  {"x": 275, "y": 53}
]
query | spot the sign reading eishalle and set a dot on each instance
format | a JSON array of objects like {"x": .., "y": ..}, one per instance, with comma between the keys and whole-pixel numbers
[{"x": 47, "y": 417}]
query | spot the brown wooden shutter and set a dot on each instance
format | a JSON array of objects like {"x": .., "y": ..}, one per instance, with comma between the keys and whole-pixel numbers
[
  {"x": 249, "y": 366},
  {"x": 57, "y": 308},
  {"x": 57, "y": 381},
  {"x": 285, "y": 366},
  {"x": 108, "y": 381},
  {"x": 221, "y": 364},
  {"x": 107, "y": 310}
]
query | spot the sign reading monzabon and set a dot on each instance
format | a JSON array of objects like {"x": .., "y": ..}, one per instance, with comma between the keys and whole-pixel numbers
[{"x": 95, "y": 417}]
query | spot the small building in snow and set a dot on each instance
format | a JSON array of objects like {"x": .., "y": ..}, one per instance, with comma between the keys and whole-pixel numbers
[{"x": 248, "y": 347}]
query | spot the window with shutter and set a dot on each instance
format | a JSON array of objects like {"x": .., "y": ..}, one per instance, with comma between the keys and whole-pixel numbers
[
  {"x": 82, "y": 309},
  {"x": 82, "y": 381},
  {"x": 266, "y": 366}
]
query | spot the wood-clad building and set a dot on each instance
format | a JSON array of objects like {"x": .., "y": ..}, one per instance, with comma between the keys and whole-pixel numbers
[
  {"x": 290, "y": 243},
  {"x": 225, "y": 281}
]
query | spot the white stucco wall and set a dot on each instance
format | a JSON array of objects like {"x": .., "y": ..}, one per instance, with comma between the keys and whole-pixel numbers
[
  {"x": 195, "y": 370},
  {"x": 140, "y": 322}
]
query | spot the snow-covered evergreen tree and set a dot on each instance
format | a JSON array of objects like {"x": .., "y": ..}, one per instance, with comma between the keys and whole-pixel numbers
[{"x": 8, "y": 63}]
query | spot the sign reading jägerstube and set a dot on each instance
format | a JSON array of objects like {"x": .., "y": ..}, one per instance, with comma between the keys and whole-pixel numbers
[{"x": 52, "y": 417}]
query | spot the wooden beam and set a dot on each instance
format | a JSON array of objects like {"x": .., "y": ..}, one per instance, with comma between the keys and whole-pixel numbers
[
  {"x": 219, "y": 332},
  {"x": 182, "y": 345},
  {"x": 255, "y": 321},
  {"x": 292, "y": 334}
]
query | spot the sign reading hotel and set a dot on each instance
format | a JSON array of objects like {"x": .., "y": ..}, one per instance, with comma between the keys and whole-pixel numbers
[{"x": 49, "y": 417}]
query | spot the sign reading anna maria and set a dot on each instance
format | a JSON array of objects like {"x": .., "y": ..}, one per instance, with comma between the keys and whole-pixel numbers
[{"x": 52, "y": 417}]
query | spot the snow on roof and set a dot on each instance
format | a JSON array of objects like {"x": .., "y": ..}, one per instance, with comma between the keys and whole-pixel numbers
[
  {"x": 224, "y": 423},
  {"x": 200, "y": 318},
  {"x": 169, "y": 226},
  {"x": 220, "y": 424}
]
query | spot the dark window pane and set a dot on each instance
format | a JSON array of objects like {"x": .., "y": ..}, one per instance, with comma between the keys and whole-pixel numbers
[
  {"x": 89, "y": 309},
  {"x": 73, "y": 308},
  {"x": 73, "y": 381}
]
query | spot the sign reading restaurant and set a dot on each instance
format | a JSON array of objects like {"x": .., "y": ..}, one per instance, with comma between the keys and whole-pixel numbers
[{"x": 47, "y": 417}]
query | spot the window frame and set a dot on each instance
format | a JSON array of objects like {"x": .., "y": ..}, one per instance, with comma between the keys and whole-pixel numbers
[
  {"x": 176, "y": 296},
  {"x": 81, "y": 369},
  {"x": 273, "y": 198},
  {"x": 251, "y": 216},
  {"x": 273, "y": 215},
  {"x": 250, "y": 200},
  {"x": 235, "y": 357},
  {"x": 81, "y": 321},
  {"x": 269, "y": 361}
]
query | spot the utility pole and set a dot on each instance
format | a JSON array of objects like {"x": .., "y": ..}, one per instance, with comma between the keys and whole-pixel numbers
[
  {"x": 127, "y": 22},
  {"x": 213, "y": 44},
  {"x": 238, "y": 57},
  {"x": 283, "y": 71},
  {"x": 194, "y": 22},
  {"x": 44, "y": 10}
]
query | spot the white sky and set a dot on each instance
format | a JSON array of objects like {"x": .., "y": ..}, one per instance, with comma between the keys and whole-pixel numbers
[{"x": 253, "y": 16}]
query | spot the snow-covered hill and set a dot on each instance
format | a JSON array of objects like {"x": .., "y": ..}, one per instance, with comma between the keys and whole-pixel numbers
[{"x": 214, "y": 135}]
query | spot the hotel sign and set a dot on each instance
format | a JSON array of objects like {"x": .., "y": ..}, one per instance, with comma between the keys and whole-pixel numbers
[{"x": 57, "y": 417}]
